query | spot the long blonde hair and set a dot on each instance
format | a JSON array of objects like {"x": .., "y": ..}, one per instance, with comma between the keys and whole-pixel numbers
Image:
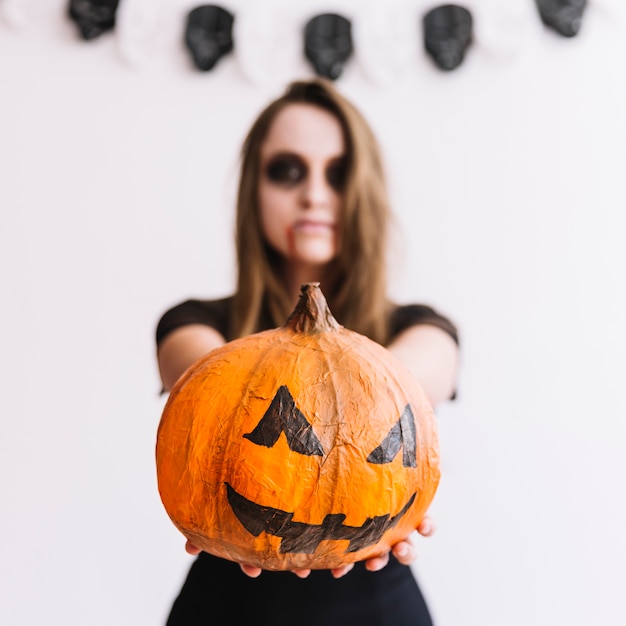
[{"x": 357, "y": 291}]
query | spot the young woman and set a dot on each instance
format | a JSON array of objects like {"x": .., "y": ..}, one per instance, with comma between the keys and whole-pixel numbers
[{"x": 312, "y": 207}]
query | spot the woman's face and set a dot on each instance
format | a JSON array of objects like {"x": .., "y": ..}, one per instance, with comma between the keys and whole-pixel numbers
[{"x": 303, "y": 170}]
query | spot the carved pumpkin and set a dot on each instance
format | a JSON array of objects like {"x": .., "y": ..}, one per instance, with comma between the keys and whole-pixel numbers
[{"x": 305, "y": 446}]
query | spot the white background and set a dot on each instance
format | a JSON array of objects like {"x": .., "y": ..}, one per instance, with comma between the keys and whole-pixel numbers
[{"x": 118, "y": 163}]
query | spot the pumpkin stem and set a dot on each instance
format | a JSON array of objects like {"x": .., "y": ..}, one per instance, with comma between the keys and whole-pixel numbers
[{"x": 312, "y": 314}]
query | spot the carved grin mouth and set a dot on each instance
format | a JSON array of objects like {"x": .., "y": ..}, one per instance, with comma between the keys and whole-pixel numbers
[{"x": 305, "y": 538}]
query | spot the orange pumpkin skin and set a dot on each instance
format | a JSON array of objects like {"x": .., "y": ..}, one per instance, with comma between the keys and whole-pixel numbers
[{"x": 275, "y": 450}]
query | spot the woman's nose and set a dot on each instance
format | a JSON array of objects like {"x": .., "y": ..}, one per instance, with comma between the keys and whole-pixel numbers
[{"x": 316, "y": 190}]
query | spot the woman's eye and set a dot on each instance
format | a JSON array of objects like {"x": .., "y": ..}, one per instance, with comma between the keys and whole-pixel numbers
[
  {"x": 336, "y": 175},
  {"x": 285, "y": 170}
]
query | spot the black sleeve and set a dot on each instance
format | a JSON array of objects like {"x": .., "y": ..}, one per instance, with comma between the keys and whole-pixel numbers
[
  {"x": 409, "y": 315},
  {"x": 214, "y": 313}
]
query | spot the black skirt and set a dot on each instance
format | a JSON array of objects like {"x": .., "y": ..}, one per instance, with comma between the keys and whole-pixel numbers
[{"x": 216, "y": 592}]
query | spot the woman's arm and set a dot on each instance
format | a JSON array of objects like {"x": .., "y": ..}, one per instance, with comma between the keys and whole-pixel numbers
[
  {"x": 183, "y": 347},
  {"x": 432, "y": 355}
]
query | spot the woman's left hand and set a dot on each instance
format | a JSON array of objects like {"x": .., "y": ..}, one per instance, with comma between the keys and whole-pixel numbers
[{"x": 404, "y": 551}]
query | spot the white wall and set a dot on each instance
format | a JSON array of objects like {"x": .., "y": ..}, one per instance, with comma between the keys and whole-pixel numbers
[{"x": 116, "y": 202}]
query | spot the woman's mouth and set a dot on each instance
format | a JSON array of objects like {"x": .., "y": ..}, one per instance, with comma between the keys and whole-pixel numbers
[{"x": 313, "y": 227}]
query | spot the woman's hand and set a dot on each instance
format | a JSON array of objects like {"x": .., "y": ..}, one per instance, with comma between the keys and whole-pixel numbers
[{"x": 403, "y": 551}]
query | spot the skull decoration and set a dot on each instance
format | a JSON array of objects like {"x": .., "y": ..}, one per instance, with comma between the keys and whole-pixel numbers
[
  {"x": 93, "y": 17},
  {"x": 328, "y": 44},
  {"x": 308, "y": 446},
  {"x": 209, "y": 35},
  {"x": 564, "y": 16},
  {"x": 447, "y": 34}
]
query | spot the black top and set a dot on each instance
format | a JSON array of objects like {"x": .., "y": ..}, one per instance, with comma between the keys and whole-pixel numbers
[
  {"x": 217, "y": 592},
  {"x": 217, "y": 314}
]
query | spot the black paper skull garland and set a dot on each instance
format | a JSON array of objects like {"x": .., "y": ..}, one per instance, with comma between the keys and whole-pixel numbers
[
  {"x": 328, "y": 44},
  {"x": 564, "y": 16},
  {"x": 448, "y": 32},
  {"x": 93, "y": 17},
  {"x": 209, "y": 35}
]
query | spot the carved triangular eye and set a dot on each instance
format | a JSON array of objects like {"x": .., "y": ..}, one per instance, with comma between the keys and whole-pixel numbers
[
  {"x": 401, "y": 435},
  {"x": 284, "y": 416}
]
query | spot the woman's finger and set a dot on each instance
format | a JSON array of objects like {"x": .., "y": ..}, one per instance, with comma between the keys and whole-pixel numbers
[
  {"x": 250, "y": 570},
  {"x": 377, "y": 563},
  {"x": 192, "y": 549},
  {"x": 338, "y": 572},
  {"x": 426, "y": 527},
  {"x": 405, "y": 551},
  {"x": 301, "y": 573}
]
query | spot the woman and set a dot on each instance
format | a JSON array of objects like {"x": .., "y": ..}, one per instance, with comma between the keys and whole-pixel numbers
[{"x": 312, "y": 207}]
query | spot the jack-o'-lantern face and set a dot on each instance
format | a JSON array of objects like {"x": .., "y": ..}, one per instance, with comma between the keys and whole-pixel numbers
[
  {"x": 297, "y": 448},
  {"x": 284, "y": 417}
]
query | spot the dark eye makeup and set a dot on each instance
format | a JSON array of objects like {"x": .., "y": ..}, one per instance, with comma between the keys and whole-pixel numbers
[
  {"x": 289, "y": 170},
  {"x": 336, "y": 173},
  {"x": 286, "y": 169}
]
